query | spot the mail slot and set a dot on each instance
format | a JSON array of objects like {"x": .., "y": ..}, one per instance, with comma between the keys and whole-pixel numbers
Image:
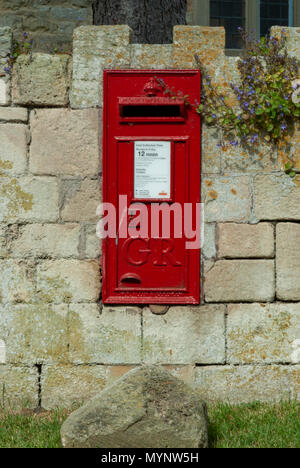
[{"x": 151, "y": 178}]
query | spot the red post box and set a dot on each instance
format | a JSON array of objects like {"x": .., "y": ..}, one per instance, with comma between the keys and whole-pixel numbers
[{"x": 151, "y": 173}]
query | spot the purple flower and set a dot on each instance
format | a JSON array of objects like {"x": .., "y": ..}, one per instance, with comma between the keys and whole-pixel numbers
[
  {"x": 25, "y": 35},
  {"x": 254, "y": 138},
  {"x": 283, "y": 126}
]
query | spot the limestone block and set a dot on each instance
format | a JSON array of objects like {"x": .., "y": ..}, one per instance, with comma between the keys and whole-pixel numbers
[
  {"x": 65, "y": 142},
  {"x": 5, "y": 42},
  {"x": 295, "y": 382},
  {"x": 20, "y": 386},
  {"x": 94, "y": 49},
  {"x": 292, "y": 36},
  {"x": 185, "y": 335},
  {"x": 28, "y": 199},
  {"x": 16, "y": 281},
  {"x": 226, "y": 198},
  {"x": 258, "y": 333},
  {"x": 81, "y": 200},
  {"x": 242, "y": 384},
  {"x": 209, "y": 246},
  {"x": 148, "y": 56},
  {"x": 4, "y": 92},
  {"x": 288, "y": 261},
  {"x": 211, "y": 153},
  {"x": 3, "y": 250},
  {"x": 68, "y": 281},
  {"x": 246, "y": 240},
  {"x": 70, "y": 386},
  {"x": 42, "y": 80},
  {"x": 13, "y": 148},
  {"x": 93, "y": 245},
  {"x": 13, "y": 114},
  {"x": 147, "y": 407},
  {"x": 276, "y": 197},
  {"x": 240, "y": 281},
  {"x": 46, "y": 240},
  {"x": 35, "y": 333},
  {"x": 237, "y": 159},
  {"x": 110, "y": 337},
  {"x": 208, "y": 43}
]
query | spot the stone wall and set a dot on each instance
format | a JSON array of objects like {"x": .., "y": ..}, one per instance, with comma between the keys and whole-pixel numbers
[
  {"x": 59, "y": 344},
  {"x": 49, "y": 22}
]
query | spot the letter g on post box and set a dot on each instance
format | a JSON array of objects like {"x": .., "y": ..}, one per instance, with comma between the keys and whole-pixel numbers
[{"x": 151, "y": 175}]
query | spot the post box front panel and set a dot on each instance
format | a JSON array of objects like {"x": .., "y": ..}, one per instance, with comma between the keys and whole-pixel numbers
[{"x": 151, "y": 156}]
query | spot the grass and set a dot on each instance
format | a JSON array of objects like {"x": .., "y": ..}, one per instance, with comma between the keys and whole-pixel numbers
[{"x": 256, "y": 425}]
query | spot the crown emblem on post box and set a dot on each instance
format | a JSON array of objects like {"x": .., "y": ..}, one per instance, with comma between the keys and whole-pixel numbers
[{"x": 151, "y": 88}]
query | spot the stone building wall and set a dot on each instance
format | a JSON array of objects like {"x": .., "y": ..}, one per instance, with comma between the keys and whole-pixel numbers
[{"x": 59, "y": 344}]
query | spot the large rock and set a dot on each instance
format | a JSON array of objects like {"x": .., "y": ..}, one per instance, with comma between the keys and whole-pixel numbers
[{"x": 146, "y": 408}]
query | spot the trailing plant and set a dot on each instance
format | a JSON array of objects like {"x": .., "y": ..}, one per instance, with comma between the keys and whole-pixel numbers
[{"x": 267, "y": 96}]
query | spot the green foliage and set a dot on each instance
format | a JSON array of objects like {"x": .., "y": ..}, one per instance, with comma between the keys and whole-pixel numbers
[
  {"x": 267, "y": 96},
  {"x": 24, "y": 46}
]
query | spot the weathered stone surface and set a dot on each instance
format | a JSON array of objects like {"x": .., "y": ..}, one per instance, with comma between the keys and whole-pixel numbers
[
  {"x": 46, "y": 240},
  {"x": 94, "y": 49},
  {"x": 211, "y": 153},
  {"x": 237, "y": 159},
  {"x": 13, "y": 114},
  {"x": 292, "y": 36},
  {"x": 41, "y": 81},
  {"x": 165, "y": 337},
  {"x": 146, "y": 408},
  {"x": 20, "y": 386},
  {"x": 68, "y": 281},
  {"x": 243, "y": 384},
  {"x": 185, "y": 373},
  {"x": 5, "y": 42},
  {"x": 4, "y": 92},
  {"x": 226, "y": 198},
  {"x": 207, "y": 43},
  {"x": 70, "y": 386},
  {"x": 34, "y": 333},
  {"x": 295, "y": 382},
  {"x": 3, "y": 250},
  {"x": 276, "y": 197},
  {"x": 240, "y": 280},
  {"x": 258, "y": 333},
  {"x": 81, "y": 200},
  {"x": 67, "y": 386},
  {"x": 28, "y": 199},
  {"x": 288, "y": 261},
  {"x": 110, "y": 336},
  {"x": 13, "y": 147},
  {"x": 65, "y": 142},
  {"x": 246, "y": 240},
  {"x": 147, "y": 56},
  {"x": 16, "y": 281},
  {"x": 93, "y": 245},
  {"x": 209, "y": 246}
]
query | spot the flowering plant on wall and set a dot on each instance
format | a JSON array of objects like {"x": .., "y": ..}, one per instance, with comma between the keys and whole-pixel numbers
[{"x": 267, "y": 96}]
